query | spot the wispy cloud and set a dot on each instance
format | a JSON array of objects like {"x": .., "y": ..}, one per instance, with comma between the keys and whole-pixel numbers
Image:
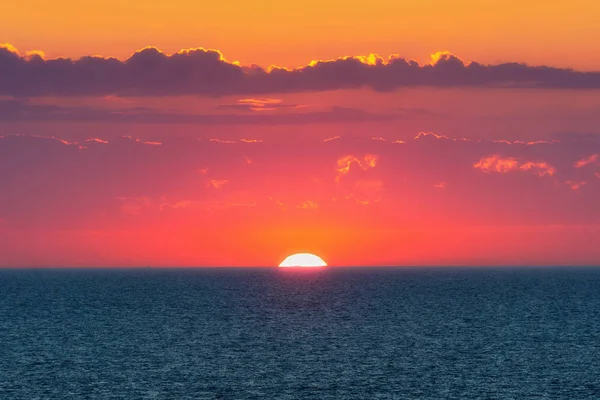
[
  {"x": 344, "y": 163},
  {"x": 587, "y": 160},
  {"x": 217, "y": 183},
  {"x": 576, "y": 184},
  {"x": 496, "y": 163},
  {"x": 124, "y": 176},
  {"x": 29, "y": 111}
]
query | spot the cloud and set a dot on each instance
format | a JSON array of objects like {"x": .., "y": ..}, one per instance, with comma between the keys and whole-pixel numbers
[
  {"x": 496, "y": 163},
  {"x": 257, "y": 105},
  {"x": 100, "y": 181},
  {"x": 576, "y": 184},
  {"x": 541, "y": 168},
  {"x": 177, "y": 204},
  {"x": 97, "y": 140},
  {"x": 126, "y": 137},
  {"x": 217, "y": 183},
  {"x": 530, "y": 143},
  {"x": 423, "y": 135},
  {"x": 205, "y": 72},
  {"x": 587, "y": 160},
  {"x": 149, "y": 143},
  {"x": 344, "y": 163},
  {"x": 279, "y": 203},
  {"x": 309, "y": 205}
]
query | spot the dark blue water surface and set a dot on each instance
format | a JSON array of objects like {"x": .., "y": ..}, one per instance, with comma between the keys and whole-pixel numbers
[{"x": 345, "y": 333}]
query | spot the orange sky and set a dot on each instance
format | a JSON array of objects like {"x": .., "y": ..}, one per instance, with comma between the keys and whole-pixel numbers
[
  {"x": 186, "y": 158},
  {"x": 264, "y": 32}
]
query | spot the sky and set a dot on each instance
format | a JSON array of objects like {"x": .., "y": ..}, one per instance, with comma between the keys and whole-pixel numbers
[{"x": 238, "y": 133}]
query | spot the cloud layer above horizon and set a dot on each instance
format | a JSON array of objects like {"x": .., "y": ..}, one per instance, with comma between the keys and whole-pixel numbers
[{"x": 149, "y": 72}]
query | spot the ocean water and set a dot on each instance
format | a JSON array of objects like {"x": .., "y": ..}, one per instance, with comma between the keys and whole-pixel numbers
[{"x": 337, "y": 333}]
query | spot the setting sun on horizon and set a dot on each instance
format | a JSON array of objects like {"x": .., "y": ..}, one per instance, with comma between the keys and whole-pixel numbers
[{"x": 302, "y": 260}]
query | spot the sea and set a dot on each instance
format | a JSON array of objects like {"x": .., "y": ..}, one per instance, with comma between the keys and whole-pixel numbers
[{"x": 269, "y": 333}]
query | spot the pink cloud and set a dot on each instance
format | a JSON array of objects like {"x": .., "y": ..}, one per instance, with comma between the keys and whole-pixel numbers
[
  {"x": 97, "y": 140},
  {"x": 309, "y": 205},
  {"x": 344, "y": 163},
  {"x": 215, "y": 140},
  {"x": 149, "y": 143},
  {"x": 421, "y": 135},
  {"x": 587, "y": 160},
  {"x": 217, "y": 183},
  {"x": 222, "y": 141},
  {"x": 140, "y": 141},
  {"x": 279, "y": 203},
  {"x": 177, "y": 204},
  {"x": 541, "y": 168},
  {"x": 576, "y": 184},
  {"x": 530, "y": 143},
  {"x": 496, "y": 163}
]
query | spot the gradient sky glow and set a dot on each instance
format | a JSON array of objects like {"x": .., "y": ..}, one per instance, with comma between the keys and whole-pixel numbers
[
  {"x": 293, "y": 33},
  {"x": 475, "y": 143}
]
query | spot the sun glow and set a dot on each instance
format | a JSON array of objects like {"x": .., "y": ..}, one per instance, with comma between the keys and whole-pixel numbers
[{"x": 303, "y": 260}]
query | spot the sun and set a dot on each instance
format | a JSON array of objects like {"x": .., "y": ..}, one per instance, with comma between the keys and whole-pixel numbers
[{"x": 303, "y": 260}]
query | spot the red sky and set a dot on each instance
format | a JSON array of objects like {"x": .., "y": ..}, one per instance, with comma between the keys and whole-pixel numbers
[{"x": 490, "y": 156}]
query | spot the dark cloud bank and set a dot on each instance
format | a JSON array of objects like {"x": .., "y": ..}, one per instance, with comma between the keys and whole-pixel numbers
[{"x": 150, "y": 72}]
